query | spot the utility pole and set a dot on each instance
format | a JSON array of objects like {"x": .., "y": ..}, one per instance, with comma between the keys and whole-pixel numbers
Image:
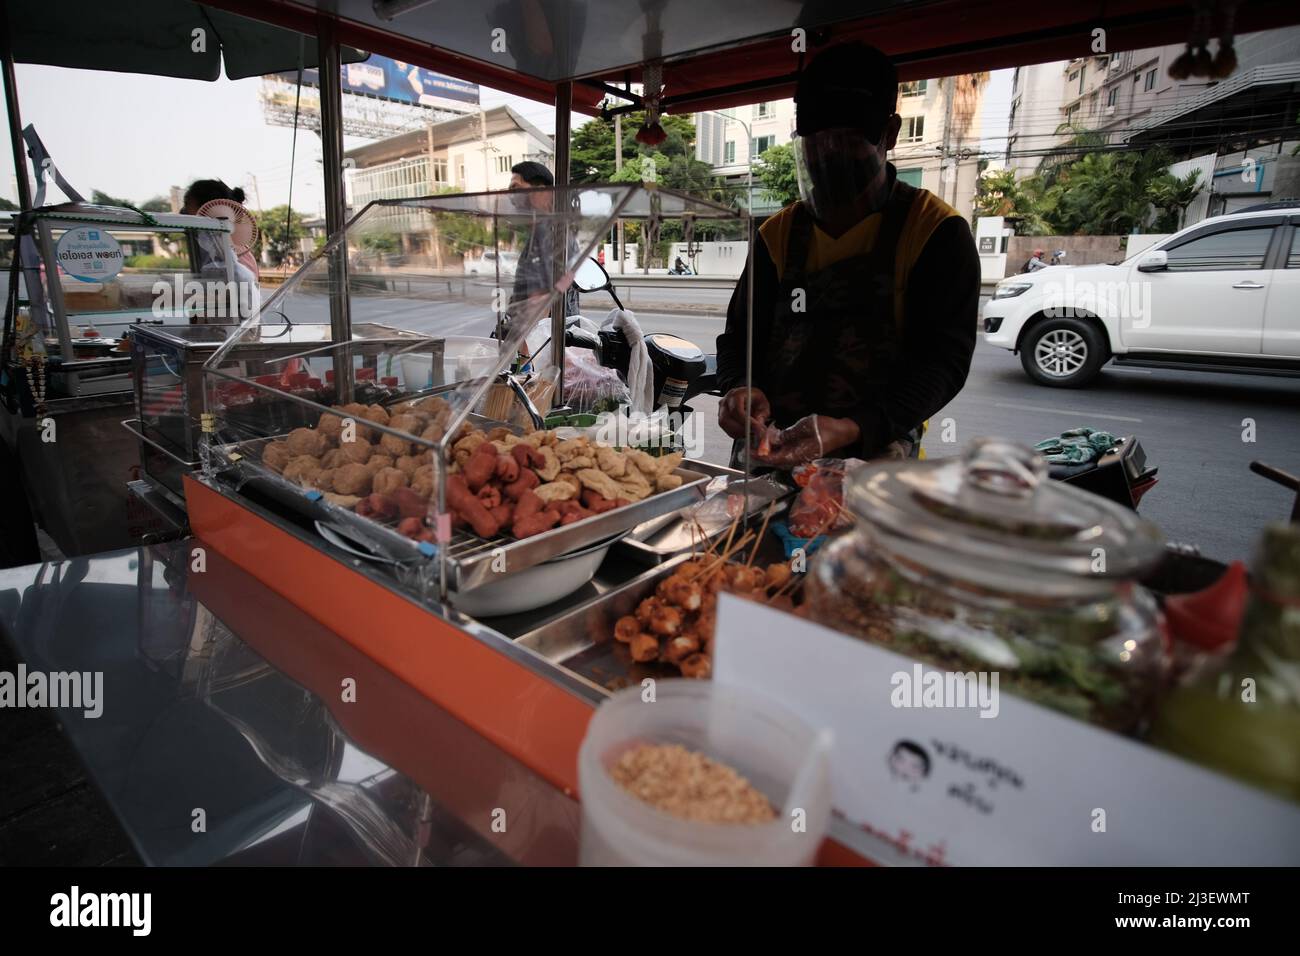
[
  {"x": 618, "y": 165},
  {"x": 257, "y": 193},
  {"x": 482, "y": 122}
]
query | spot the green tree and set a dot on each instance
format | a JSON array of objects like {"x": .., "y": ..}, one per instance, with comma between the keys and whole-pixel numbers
[
  {"x": 104, "y": 199},
  {"x": 1171, "y": 195},
  {"x": 999, "y": 193},
  {"x": 157, "y": 204},
  {"x": 6, "y": 205},
  {"x": 775, "y": 169},
  {"x": 279, "y": 232}
]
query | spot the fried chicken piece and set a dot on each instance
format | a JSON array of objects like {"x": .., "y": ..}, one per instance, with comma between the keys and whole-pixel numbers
[
  {"x": 388, "y": 480},
  {"x": 333, "y": 458},
  {"x": 407, "y": 464},
  {"x": 600, "y": 483},
  {"x": 433, "y": 432},
  {"x": 331, "y": 423},
  {"x": 306, "y": 441},
  {"x": 376, "y": 413},
  {"x": 352, "y": 479},
  {"x": 699, "y": 666},
  {"x": 556, "y": 491},
  {"x": 611, "y": 462},
  {"x": 394, "y": 446},
  {"x": 434, "y": 405},
  {"x": 626, "y": 628},
  {"x": 325, "y": 480},
  {"x": 276, "y": 455},
  {"x": 644, "y": 648},
  {"x": 377, "y": 462},
  {"x": 423, "y": 482}
]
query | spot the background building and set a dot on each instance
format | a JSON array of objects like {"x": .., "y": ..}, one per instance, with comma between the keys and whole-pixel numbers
[{"x": 938, "y": 145}]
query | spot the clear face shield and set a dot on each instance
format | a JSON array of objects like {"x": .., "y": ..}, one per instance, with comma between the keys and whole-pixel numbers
[{"x": 835, "y": 168}]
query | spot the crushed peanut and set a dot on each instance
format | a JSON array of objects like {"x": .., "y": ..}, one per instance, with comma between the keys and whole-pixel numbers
[{"x": 688, "y": 784}]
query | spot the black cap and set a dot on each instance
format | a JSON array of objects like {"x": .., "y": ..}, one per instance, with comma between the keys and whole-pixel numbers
[{"x": 849, "y": 85}]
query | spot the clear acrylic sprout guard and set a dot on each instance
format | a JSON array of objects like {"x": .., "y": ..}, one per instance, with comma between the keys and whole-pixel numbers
[{"x": 439, "y": 294}]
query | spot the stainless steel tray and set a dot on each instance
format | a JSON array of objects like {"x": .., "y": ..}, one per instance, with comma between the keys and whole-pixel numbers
[
  {"x": 471, "y": 560},
  {"x": 581, "y": 641},
  {"x": 650, "y": 545}
]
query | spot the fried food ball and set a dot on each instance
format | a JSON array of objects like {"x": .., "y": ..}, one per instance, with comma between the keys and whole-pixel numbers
[
  {"x": 276, "y": 455},
  {"x": 744, "y": 579},
  {"x": 434, "y": 405},
  {"x": 407, "y": 464},
  {"x": 411, "y": 424},
  {"x": 352, "y": 479},
  {"x": 423, "y": 482},
  {"x": 357, "y": 452},
  {"x": 433, "y": 432},
  {"x": 387, "y": 480},
  {"x": 644, "y": 647},
  {"x": 306, "y": 441},
  {"x": 331, "y": 423},
  {"x": 325, "y": 480},
  {"x": 394, "y": 447},
  {"x": 376, "y": 413},
  {"x": 699, "y": 666},
  {"x": 333, "y": 458},
  {"x": 303, "y": 469},
  {"x": 377, "y": 462},
  {"x": 626, "y": 628}
]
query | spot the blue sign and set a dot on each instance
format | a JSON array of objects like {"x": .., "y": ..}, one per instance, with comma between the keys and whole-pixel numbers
[{"x": 390, "y": 79}]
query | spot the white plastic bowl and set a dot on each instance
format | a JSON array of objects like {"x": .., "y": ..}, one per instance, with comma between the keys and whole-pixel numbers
[
  {"x": 774, "y": 749},
  {"x": 535, "y": 587}
]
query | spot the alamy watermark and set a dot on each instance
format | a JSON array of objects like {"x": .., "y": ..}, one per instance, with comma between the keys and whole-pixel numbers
[
  {"x": 71, "y": 690},
  {"x": 213, "y": 298},
  {"x": 945, "y": 689},
  {"x": 1076, "y": 298},
  {"x": 668, "y": 431}
]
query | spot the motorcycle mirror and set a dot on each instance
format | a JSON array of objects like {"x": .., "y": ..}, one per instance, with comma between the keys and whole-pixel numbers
[{"x": 591, "y": 277}]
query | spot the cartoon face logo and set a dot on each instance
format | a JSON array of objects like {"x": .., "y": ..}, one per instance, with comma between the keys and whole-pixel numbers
[{"x": 909, "y": 764}]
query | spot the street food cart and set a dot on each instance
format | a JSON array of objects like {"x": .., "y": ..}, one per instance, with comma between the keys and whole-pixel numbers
[{"x": 346, "y": 512}]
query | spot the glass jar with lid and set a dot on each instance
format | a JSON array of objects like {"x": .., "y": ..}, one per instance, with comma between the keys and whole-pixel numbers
[{"x": 980, "y": 563}]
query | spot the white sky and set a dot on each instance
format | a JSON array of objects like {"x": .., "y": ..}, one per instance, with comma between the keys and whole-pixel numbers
[{"x": 135, "y": 136}]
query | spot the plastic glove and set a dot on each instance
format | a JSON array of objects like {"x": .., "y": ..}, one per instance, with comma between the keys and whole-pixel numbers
[{"x": 808, "y": 439}]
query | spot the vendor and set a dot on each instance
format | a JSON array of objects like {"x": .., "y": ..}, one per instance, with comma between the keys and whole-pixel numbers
[{"x": 865, "y": 291}]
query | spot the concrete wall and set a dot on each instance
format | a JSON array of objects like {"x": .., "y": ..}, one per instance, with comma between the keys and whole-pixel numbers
[{"x": 1080, "y": 250}]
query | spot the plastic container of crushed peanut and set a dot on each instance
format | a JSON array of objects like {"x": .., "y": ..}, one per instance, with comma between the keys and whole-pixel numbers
[{"x": 776, "y": 752}]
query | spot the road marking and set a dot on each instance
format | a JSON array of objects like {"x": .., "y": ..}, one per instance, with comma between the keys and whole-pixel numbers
[{"x": 1066, "y": 411}]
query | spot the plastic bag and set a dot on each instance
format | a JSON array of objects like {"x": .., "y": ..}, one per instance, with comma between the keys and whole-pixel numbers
[
  {"x": 819, "y": 506},
  {"x": 589, "y": 386}
]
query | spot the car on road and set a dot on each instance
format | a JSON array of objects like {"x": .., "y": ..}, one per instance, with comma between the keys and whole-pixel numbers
[
  {"x": 1221, "y": 295},
  {"x": 486, "y": 264}
]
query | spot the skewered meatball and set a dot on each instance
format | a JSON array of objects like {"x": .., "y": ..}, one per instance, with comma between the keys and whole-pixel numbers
[
  {"x": 677, "y": 649},
  {"x": 644, "y": 647},
  {"x": 305, "y": 441},
  {"x": 698, "y": 666},
  {"x": 647, "y": 609},
  {"x": 626, "y": 628},
  {"x": 777, "y": 576},
  {"x": 675, "y": 589},
  {"x": 667, "y": 621},
  {"x": 352, "y": 479}
]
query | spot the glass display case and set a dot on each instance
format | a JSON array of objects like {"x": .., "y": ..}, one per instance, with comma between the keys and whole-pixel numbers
[{"x": 449, "y": 453}]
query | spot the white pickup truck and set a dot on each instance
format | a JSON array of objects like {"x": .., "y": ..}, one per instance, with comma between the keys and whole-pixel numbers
[{"x": 1222, "y": 295}]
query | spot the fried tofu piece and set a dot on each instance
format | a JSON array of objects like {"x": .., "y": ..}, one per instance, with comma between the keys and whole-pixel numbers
[
  {"x": 600, "y": 483},
  {"x": 611, "y": 462},
  {"x": 555, "y": 491}
]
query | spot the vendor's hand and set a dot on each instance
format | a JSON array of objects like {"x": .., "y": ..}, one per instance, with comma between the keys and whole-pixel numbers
[
  {"x": 732, "y": 412},
  {"x": 808, "y": 439}
]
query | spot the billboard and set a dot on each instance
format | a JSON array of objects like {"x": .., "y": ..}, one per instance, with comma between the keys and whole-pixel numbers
[{"x": 394, "y": 80}]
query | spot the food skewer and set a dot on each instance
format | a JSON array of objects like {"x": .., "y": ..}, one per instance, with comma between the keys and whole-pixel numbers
[{"x": 761, "y": 531}]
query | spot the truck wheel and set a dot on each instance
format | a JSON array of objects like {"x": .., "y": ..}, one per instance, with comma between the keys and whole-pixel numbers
[{"x": 1063, "y": 353}]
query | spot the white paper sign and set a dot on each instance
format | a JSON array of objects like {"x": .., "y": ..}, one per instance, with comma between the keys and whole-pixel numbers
[
  {"x": 89, "y": 253},
  {"x": 1027, "y": 786}
]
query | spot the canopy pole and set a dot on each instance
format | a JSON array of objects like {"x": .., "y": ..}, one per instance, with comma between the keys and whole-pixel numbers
[
  {"x": 331, "y": 137},
  {"x": 15, "y": 118},
  {"x": 563, "y": 107}
]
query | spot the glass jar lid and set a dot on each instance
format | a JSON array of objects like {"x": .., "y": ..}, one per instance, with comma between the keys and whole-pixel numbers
[{"x": 993, "y": 517}]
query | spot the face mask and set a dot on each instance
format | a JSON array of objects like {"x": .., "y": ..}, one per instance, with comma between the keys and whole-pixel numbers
[
  {"x": 519, "y": 200},
  {"x": 835, "y": 168}
]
